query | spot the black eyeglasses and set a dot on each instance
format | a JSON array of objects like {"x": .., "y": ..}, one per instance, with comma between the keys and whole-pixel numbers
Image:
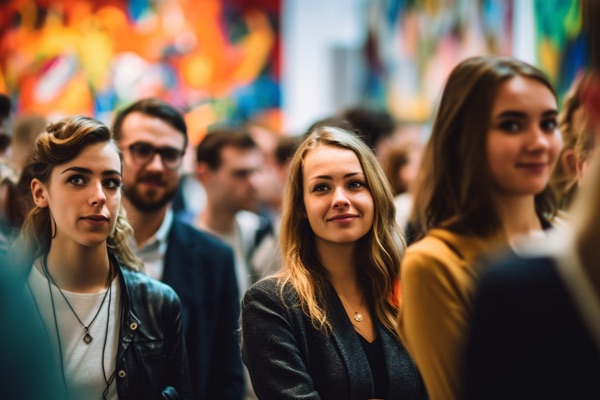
[{"x": 144, "y": 152}]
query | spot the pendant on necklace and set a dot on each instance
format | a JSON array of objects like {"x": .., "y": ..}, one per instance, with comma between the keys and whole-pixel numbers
[
  {"x": 358, "y": 316},
  {"x": 88, "y": 338}
]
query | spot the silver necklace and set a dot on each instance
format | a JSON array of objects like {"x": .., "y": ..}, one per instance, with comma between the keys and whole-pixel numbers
[{"x": 87, "y": 339}]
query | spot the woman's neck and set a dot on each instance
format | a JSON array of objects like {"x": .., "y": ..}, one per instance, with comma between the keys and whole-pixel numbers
[
  {"x": 518, "y": 216},
  {"x": 79, "y": 269},
  {"x": 339, "y": 261}
]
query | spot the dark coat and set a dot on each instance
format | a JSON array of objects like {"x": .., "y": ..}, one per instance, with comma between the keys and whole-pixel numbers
[
  {"x": 528, "y": 340},
  {"x": 288, "y": 358},
  {"x": 200, "y": 268}
]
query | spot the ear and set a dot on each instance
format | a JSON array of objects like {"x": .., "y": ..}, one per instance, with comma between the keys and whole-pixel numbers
[
  {"x": 590, "y": 97},
  {"x": 569, "y": 162},
  {"x": 39, "y": 193},
  {"x": 202, "y": 172},
  {"x": 580, "y": 165}
]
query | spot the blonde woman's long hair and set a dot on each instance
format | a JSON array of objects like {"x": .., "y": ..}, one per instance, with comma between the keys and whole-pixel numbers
[
  {"x": 61, "y": 142},
  {"x": 378, "y": 253}
]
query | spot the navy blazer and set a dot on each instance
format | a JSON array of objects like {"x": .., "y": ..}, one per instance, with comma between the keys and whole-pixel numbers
[
  {"x": 288, "y": 358},
  {"x": 200, "y": 268},
  {"x": 527, "y": 339}
]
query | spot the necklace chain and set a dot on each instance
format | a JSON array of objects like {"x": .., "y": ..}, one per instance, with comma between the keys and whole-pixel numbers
[{"x": 87, "y": 338}]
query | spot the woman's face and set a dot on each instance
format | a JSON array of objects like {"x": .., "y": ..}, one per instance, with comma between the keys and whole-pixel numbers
[
  {"x": 338, "y": 203},
  {"x": 83, "y": 195},
  {"x": 523, "y": 140}
]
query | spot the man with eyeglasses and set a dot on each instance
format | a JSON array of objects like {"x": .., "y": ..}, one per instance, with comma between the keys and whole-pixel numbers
[{"x": 152, "y": 136}]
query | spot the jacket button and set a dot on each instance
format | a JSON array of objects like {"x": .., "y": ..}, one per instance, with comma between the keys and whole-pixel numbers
[
  {"x": 122, "y": 373},
  {"x": 133, "y": 326}
]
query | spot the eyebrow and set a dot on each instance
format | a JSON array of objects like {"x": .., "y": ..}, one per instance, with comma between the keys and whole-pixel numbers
[
  {"x": 348, "y": 175},
  {"x": 520, "y": 114},
  {"x": 89, "y": 171}
]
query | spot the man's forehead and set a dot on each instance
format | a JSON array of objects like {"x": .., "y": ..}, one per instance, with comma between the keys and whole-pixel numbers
[{"x": 138, "y": 126}]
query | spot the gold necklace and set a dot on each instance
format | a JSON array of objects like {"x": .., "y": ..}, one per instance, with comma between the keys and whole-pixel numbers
[{"x": 358, "y": 317}]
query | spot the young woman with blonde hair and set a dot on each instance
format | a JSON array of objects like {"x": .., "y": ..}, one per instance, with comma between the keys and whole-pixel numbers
[{"x": 323, "y": 328}]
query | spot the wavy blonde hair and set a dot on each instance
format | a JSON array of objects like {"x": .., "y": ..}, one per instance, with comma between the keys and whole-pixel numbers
[
  {"x": 378, "y": 253},
  {"x": 61, "y": 142}
]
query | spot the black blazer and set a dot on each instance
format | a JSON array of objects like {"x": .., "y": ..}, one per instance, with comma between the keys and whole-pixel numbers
[
  {"x": 527, "y": 338},
  {"x": 288, "y": 358},
  {"x": 199, "y": 267}
]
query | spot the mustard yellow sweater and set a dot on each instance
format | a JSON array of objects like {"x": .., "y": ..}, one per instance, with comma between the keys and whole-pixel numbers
[{"x": 438, "y": 279}]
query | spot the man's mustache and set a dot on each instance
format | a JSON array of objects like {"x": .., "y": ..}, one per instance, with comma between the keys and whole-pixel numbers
[{"x": 154, "y": 179}]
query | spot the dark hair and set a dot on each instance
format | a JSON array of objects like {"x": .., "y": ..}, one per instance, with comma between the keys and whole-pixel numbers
[
  {"x": 454, "y": 187},
  {"x": 61, "y": 142},
  {"x": 286, "y": 146},
  {"x": 5, "y": 106},
  {"x": 372, "y": 125},
  {"x": 156, "y": 108},
  {"x": 209, "y": 149}
]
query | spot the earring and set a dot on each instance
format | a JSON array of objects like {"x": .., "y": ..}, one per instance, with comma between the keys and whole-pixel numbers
[{"x": 52, "y": 226}]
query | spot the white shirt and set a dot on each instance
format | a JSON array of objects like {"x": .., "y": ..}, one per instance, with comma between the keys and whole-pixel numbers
[
  {"x": 153, "y": 251},
  {"x": 82, "y": 362}
]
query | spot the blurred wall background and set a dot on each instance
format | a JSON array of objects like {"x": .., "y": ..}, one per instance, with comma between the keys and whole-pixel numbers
[{"x": 282, "y": 63}]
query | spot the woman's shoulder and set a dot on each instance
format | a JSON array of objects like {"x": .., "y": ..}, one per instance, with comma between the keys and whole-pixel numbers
[
  {"x": 271, "y": 292},
  {"x": 141, "y": 285},
  {"x": 270, "y": 287},
  {"x": 444, "y": 244}
]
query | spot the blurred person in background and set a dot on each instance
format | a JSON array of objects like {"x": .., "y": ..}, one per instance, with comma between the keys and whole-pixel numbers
[
  {"x": 26, "y": 129},
  {"x": 577, "y": 144},
  {"x": 228, "y": 165},
  {"x": 5, "y": 126},
  {"x": 402, "y": 166}
]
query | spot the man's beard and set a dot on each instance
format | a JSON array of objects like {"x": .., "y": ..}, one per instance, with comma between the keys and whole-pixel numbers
[{"x": 148, "y": 202}]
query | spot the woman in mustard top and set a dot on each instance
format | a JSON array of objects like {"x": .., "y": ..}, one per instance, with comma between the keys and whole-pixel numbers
[{"x": 483, "y": 184}]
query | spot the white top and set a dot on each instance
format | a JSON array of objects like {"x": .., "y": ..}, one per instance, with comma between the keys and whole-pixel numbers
[
  {"x": 265, "y": 257},
  {"x": 234, "y": 239},
  {"x": 82, "y": 362},
  {"x": 153, "y": 251}
]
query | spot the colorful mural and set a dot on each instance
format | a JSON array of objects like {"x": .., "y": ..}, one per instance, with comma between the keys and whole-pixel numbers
[
  {"x": 215, "y": 59},
  {"x": 561, "y": 48},
  {"x": 414, "y": 45}
]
